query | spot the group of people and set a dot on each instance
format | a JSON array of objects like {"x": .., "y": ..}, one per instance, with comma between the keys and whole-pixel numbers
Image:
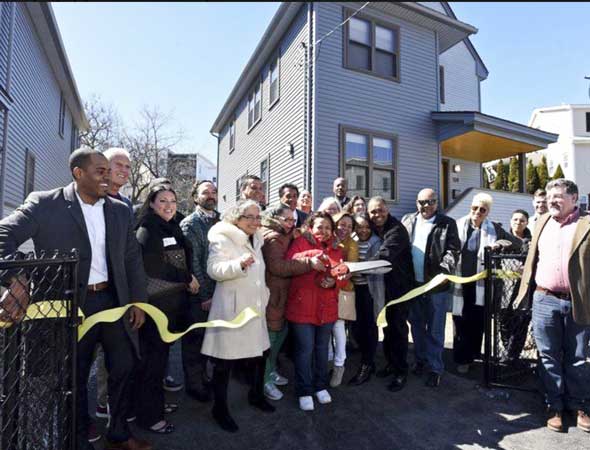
[{"x": 281, "y": 261}]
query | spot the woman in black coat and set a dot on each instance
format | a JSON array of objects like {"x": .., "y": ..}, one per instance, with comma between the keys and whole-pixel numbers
[{"x": 167, "y": 260}]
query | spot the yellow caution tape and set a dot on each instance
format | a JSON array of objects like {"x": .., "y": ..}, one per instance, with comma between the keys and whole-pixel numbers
[{"x": 58, "y": 309}]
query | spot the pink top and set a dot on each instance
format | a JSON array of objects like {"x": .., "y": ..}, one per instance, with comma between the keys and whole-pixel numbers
[{"x": 555, "y": 245}]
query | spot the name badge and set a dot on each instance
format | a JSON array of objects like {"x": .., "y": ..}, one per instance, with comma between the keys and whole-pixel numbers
[{"x": 169, "y": 241}]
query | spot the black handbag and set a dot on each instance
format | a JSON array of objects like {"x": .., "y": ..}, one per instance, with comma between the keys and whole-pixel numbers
[{"x": 156, "y": 287}]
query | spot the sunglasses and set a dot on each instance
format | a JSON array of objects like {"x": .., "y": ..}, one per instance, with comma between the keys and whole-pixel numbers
[
  {"x": 481, "y": 209},
  {"x": 427, "y": 202}
]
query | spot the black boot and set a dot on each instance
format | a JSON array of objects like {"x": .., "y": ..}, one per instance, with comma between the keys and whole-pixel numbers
[
  {"x": 220, "y": 411},
  {"x": 363, "y": 375},
  {"x": 256, "y": 396}
]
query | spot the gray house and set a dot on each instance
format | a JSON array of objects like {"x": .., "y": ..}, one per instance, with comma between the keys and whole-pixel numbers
[
  {"x": 40, "y": 108},
  {"x": 386, "y": 94}
]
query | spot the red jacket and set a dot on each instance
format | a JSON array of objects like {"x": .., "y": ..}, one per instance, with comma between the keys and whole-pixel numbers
[{"x": 307, "y": 302}]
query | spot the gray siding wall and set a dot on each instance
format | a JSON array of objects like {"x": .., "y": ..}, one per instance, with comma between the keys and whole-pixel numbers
[
  {"x": 34, "y": 117},
  {"x": 461, "y": 82},
  {"x": 281, "y": 125},
  {"x": 348, "y": 98}
]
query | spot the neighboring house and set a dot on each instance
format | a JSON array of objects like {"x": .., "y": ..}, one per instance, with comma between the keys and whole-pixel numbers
[
  {"x": 390, "y": 100},
  {"x": 183, "y": 170},
  {"x": 40, "y": 108},
  {"x": 572, "y": 149}
]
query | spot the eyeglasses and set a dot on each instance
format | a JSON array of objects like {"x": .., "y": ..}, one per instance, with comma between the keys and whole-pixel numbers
[
  {"x": 482, "y": 209},
  {"x": 427, "y": 202},
  {"x": 284, "y": 219},
  {"x": 252, "y": 218}
]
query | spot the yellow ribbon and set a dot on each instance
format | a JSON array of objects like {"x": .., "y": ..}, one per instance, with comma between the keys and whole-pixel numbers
[{"x": 58, "y": 309}]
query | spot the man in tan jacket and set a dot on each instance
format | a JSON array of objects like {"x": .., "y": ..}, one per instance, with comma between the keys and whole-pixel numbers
[{"x": 557, "y": 274}]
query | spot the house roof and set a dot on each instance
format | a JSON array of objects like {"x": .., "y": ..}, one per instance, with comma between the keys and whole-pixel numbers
[
  {"x": 482, "y": 70},
  {"x": 44, "y": 20},
  {"x": 449, "y": 29}
]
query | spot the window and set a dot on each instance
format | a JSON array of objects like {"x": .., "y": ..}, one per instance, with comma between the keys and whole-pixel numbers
[
  {"x": 274, "y": 82},
  {"x": 62, "y": 115},
  {"x": 232, "y": 135},
  {"x": 369, "y": 163},
  {"x": 238, "y": 184},
  {"x": 441, "y": 83},
  {"x": 371, "y": 47},
  {"x": 74, "y": 142},
  {"x": 29, "y": 172},
  {"x": 255, "y": 105},
  {"x": 264, "y": 175},
  {"x": 588, "y": 122}
]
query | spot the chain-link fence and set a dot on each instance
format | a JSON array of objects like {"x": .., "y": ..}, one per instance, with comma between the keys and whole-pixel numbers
[
  {"x": 38, "y": 349},
  {"x": 510, "y": 354}
]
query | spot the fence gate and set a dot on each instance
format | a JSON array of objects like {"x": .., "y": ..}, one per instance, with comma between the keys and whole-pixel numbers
[
  {"x": 510, "y": 355},
  {"x": 37, "y": 366}
]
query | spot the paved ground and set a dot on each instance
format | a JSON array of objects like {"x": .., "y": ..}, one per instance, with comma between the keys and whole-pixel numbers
[{"x": 457, "y": 415}]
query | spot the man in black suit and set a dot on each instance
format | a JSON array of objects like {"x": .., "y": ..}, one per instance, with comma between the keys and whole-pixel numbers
[
  {"x": 397, "y": 249},
  {"x": 110, "y": 274},
  {"x": 288, "y": 195}
]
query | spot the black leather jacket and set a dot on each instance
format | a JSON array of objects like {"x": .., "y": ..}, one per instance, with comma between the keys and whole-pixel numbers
[{"x": 443, "y": 246}]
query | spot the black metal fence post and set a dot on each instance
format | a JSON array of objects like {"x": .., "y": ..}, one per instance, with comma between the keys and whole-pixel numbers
[{"x": 488, "y": 318}]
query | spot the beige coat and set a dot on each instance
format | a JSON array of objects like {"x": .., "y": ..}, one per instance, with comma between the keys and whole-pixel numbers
[
  {"x": 235, "y": 290},
  {"x": 578, "y": 268}
]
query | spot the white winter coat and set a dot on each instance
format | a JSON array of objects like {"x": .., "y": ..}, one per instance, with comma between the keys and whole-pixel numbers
[{"x": 234, "y": 291}]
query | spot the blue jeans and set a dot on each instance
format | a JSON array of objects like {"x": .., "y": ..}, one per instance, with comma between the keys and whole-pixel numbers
[
  {"x": 563, "y": 346},
  {"x": 311, "y": 357},
  {"x": 428, "y": 314}
]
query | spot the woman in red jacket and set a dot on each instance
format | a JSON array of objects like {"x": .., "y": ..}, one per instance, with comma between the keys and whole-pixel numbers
[{"x": 312, "y": 309}]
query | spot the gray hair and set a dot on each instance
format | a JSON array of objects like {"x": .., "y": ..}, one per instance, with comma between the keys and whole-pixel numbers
[
  {"x": 275, "y": 211},
  {"x": 327, "y": 202},
  {"x": 484, "y": 198},
  {"x": 233, "y": 214},
  {"x": 116, "y": 151},
  {"x": 571, "y": 188}
]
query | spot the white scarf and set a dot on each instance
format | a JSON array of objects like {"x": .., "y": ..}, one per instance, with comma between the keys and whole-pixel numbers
[{"x": 487, "y": 238}]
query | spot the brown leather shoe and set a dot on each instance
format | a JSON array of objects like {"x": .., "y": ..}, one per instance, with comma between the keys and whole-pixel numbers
[
  {"x": 554, "y": 423},
  {"x": 583, "y": 421},
  {"x": 130, "y": 444}
]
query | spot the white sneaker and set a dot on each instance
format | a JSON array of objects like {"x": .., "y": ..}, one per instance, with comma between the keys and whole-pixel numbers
[
  {"x": 306, "y": 403},
  {"x": 272, "y": 392},
  {"x": 278, "y": 379},
  {"x": 323, "y": 396}
]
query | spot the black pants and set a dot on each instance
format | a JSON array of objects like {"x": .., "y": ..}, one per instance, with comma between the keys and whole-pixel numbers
[
  {"x": 221, "y": 374},
  {"x": 469, "y": 328},
  {"x": 193, "y": 362},
  {"x": 119, "y": 360},
  {"x": 395, "y": 339},
  {"x": 365, "y": 328}
]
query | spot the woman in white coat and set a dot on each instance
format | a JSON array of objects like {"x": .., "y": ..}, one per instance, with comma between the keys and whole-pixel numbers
[{"x": 236, "y": 263}]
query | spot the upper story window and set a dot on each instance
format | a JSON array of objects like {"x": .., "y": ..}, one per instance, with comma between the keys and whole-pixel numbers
[
  {"x": 255, "y": 105},
  {"x": 264, "y": 175},
  {"x": 369, "y": 163},
  {"x": 372, "y": 47},
  {"x": 29, "y": 172},
  {"x": 441, "y": 83},
  {"x": 232, "y": 135},
  {"x": 62, "y": 115},
  {"x": 274, "y": 80},
  {"x": 588, "y": 122}
]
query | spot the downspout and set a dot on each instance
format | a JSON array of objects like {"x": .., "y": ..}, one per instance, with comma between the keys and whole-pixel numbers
[
  {"x": 311, "y": 99},
  {"x": 308, "y": 100},
  {"x": 3, "y": 159}
]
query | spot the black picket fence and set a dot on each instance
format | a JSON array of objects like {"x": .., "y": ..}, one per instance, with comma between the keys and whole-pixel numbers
[
  {"x": 37, "y": 370},
  {"x": 510, "y": 354}
]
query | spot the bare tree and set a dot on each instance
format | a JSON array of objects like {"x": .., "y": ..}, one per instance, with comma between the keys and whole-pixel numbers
[
  {"x": 104, "y": 129},
  {"x": 148, "y": 144}
]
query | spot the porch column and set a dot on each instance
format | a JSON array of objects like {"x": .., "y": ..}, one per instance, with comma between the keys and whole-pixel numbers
[{"x": 522, "y": 172}]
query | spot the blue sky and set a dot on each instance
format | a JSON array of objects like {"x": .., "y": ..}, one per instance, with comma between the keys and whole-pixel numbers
[{"x": 186, "y": 57}]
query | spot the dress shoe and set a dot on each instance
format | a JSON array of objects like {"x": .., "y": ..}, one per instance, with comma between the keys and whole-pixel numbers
[
  {"x": 554, "y": 422},
  {"x": 433, "y": 380},
  {"x": 201, "y": 394},
  {"x": 363, "y": 375},
  {"x": 260, "y": 403},
  {"x": 583, "y": 421},
  {"x": 418, "y": 369},
  {"x": 224, "y": 420},
  {"x": 385, "y": 372},
  {"x": 398, "y": 383},
  {"x": 130, "y": 444}
]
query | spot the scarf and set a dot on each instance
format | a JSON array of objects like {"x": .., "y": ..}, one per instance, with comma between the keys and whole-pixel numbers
[{"x": 487, "y": 236}]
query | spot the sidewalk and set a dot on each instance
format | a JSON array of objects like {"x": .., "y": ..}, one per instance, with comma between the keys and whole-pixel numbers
[{"x": 457, "y": 415}]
